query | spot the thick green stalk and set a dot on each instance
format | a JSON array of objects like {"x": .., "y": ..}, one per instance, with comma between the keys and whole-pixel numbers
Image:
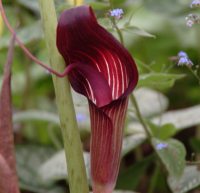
[
  {"x": 140, "y": 118},
  {"x": 72, "y": 143}
]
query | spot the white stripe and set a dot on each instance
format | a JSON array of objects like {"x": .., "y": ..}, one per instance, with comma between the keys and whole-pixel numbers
[
  {"x": 94, "y": 115},
  {"x": 90, "y": 59},
  {"x": 116, "y": 80},
  {"x": 122, "y": 73},
  {"x": 107, "y": 65},
  {"x": 91, "y": 91}
]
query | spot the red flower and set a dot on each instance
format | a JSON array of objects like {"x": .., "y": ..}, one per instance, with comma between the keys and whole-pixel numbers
[
  {"x": 8, "y": 173},
  {"x": 102, "y": 70}
]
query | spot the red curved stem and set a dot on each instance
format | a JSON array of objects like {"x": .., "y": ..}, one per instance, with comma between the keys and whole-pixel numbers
[{"x": 25, "y": 49}]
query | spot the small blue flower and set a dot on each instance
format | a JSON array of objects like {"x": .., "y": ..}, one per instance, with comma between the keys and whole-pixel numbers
[
  {"x": 184, "y": 59},
  {"x": 195, "y": 3},
  {"x": 117, "y": 13},
  {"x": 161, "y": 146},
  {"x": 182, "y": 54}
]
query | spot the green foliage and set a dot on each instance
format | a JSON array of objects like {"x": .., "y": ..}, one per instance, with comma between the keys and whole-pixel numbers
[
  {"x": 55, "y": 168},
  {"x": 172, "y": 155},
  {"x": 195, "y": 144},
  {"x": 29, "y": 159},
  {"x": 27, "y": 35},
  {"x": 162, "y": 132},
  {"x": 159, "y": 81},
  {"x": 99, "y": 5},
  {"x": 32, "y": 5},
  {"x": 138, "y": 31},
  {"x": 189, "y": 180},
  {"x": 127, "y": 179}
]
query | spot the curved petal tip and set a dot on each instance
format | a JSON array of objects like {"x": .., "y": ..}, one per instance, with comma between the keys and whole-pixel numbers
[{"x": 80, "y": 39}]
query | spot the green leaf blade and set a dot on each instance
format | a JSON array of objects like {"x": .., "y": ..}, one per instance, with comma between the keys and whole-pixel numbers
[{"x": 172, "y": 153}]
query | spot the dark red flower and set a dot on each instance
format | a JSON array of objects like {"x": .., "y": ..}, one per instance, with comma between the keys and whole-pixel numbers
[
  {"x": 104, "y": 71},
  {"x": 8, "y": 173}
]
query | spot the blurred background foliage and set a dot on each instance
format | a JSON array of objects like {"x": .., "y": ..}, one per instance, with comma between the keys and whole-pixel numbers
[{"x": 154, "y": 32}]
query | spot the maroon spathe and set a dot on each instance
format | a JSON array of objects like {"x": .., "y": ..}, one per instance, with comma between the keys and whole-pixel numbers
[{"x": 102, "y": 70}]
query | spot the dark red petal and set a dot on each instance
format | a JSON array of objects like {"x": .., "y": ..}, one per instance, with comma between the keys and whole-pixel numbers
[
  {"x": 7, "y": 180},
  {"x": 88, "y": 81},
  {"x": 106, "y": 142},
  {"x": 6, "y": 130},
  {"x": 8, "y": 174},
  {"x": 80, "y": 39}
]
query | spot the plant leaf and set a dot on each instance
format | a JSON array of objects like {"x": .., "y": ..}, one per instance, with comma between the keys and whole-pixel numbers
[
  {"x": 131, "y": 142},
  {"x": 55, "y": 168},
  {"x": 158, "y": 80},
  {"x": 29, "y": 158},
  {"x": 146, "y": 99},
  {"x": 189, "y": 180},
  {"x": 172, "y": 153},
  {"x": 181, "y": 119},
  {"x": 138, "y": 31},
  {"x": 162, "y": 132},
  {"x": 127, "y": 179},
  {"x": 27, "y": 35}
]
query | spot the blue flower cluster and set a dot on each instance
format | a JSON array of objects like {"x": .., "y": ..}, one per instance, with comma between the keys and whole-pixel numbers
[
  {"x": 192, "y": 19},
  {"x": 184, "y": 59},
  {"x": 195, "y": 3},
  {"x": 182, "y": 54},
  {"x": 117, "y": 13}
]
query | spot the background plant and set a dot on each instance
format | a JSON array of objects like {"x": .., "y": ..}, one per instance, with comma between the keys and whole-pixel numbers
[{"x": 168, "y": 98}]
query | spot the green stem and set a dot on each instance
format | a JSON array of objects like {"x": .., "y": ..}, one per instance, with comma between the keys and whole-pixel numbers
[
  {"x": 142, "y": 121},
  {"x": 133, "y": 99},
  {"x": 115, "y": 25},
  {"x": 118, "y": 31},
  {"x": 139, "y": 116},
  {"x": 195, "y": 75},
  {"x": 72, "y": 143}
]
